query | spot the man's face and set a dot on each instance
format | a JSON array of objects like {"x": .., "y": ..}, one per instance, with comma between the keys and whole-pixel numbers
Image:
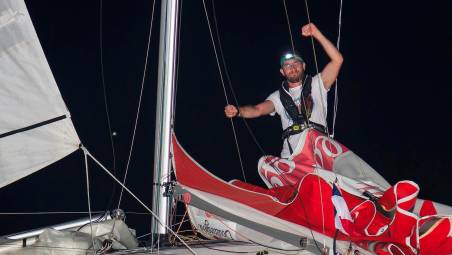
[{"x": 293, "y": 70}]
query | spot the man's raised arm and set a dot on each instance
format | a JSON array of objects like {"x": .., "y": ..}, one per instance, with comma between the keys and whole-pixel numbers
[{"x": 331, "y": 70}]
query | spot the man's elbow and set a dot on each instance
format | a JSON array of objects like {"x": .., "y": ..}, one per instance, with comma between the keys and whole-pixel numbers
[
  {"x": 258, "y": 112},
  {"x": 261, "y": 111},
  {"x": 339, "y": 60}
]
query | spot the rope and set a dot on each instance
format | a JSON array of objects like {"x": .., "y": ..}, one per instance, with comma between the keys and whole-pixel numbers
[
  {"x": 136, "y": 198},
  {"x": 288, "y": 25},
  {"x": 317, "y": 70},
  {"x": 234, "y": 96},
  {"x": 138, "y": 111},
  {"x": 47, "y": 213},
  {"x": 321, "y": 201},
  {"x": 320, "y": 186},
  {"x": 172, "y": 240},
  {"x": 224, "y": 88},
  {"x": 312, "y": 39},
  {"x": 229, "y": 81},
  {"x": 70, "y": 212},
  {"x": 293, "y": 48},
  {"x": 88, "y": 194},
  {"x": 179, "y": 27},
  {"x": 324, "y": 114},
  {"x": 148, "y": 234},
  {"x": 336, "y": 97},
  {"x": 104, "y": 89},
  {"x": 139, "y": 103}
]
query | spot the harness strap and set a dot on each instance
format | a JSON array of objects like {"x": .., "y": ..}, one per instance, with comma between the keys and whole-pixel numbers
[
  {"x": 300, "y": 116},
  {"x": 298, "y": 128},
  {"x": 292, "y": 130},
  {"x": 290, "y": 106}
]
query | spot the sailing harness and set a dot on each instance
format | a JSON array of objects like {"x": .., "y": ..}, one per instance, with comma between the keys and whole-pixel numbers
[{"x": 299, "y": 116}]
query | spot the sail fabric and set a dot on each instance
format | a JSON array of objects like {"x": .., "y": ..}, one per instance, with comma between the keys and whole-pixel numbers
[
  {"x": 317, "y": 151},
  {"x": 383, "y": 220},
  {"x": 35, "y": 125},
  {"x": 342, "y": 218},
  {"x": 253, "y": 208}
]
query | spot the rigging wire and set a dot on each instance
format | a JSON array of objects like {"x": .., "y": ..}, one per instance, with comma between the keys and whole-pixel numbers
[
  {"x": 173, "y": 210},
  {"x": 316, "y": 65},
  {"x": 324, "y": 115},
  {"x": 71, "y": 212},
  {"x": 312, "y": 38},
  {"x": 224, "y": 89},
  {"x": 228, "y": 79},
  {"x": 314, "y": 52},
  {"x": 102, "y": 75},
  {"x": 229, "y": 82},
  {"x": 86, "y": 152},
  {"x": 48, "y": 213},
  {"x": 171, "y": 239},
  {"x": 336, "y": 99},
  {"x": 288, "y": 25},
  {"x": 89, "y": 197},
  {"x": 179, "y": 28},
  {"x": 316, "y": 68},
  {"x": 305, "y": 108},
  {"x": 139, "y": 103},
  {"x": 234, "y": 96},
  {"x": 336, "y": 96}
]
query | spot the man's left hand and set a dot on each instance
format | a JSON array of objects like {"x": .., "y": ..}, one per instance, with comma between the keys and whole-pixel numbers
[{"x": 309, "y": 30}]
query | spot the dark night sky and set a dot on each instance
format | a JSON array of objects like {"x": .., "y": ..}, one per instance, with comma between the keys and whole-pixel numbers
[{"x": 394, "y": 92}]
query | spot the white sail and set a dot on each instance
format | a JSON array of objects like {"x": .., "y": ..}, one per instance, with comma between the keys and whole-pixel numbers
[{"x": 35, "y": 125}]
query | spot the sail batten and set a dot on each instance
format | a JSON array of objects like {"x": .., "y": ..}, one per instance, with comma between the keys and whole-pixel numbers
[
  {"x": 43, "y": 123},
  {"x": 35, "y": 127}
]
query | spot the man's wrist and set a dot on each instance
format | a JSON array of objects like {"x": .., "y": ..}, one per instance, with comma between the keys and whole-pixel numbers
[{"x": 318, "y": 35}]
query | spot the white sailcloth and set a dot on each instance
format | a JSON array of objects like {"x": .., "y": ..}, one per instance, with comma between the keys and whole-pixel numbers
[{"x": 35, "y": 125}]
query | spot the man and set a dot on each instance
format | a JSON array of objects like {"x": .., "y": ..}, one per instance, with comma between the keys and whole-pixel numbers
[{"x": 302, "y": 100}]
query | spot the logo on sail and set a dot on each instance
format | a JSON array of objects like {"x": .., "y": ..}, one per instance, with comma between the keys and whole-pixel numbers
[{"x": 215, "y": 232}]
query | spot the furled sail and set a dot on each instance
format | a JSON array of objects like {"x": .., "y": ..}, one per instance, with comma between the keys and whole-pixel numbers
[
  {"x": 35, "y": 125},
  {"x": 301, "y": 201}
]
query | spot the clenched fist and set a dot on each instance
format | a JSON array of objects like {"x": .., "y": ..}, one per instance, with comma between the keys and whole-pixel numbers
[
  {"x": 230, "y": 111},
  {"x": 309, "y": 30}
]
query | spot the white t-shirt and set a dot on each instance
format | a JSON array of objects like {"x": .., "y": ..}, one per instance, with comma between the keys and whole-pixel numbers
[{"x": 319, "y": 109}]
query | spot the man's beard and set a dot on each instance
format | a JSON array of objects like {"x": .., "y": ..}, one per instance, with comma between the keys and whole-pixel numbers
[{"x": 295, "y": 79}]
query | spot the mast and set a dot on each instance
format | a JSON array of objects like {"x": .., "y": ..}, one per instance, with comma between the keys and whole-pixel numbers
[{"x": 163, "y": 120}]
